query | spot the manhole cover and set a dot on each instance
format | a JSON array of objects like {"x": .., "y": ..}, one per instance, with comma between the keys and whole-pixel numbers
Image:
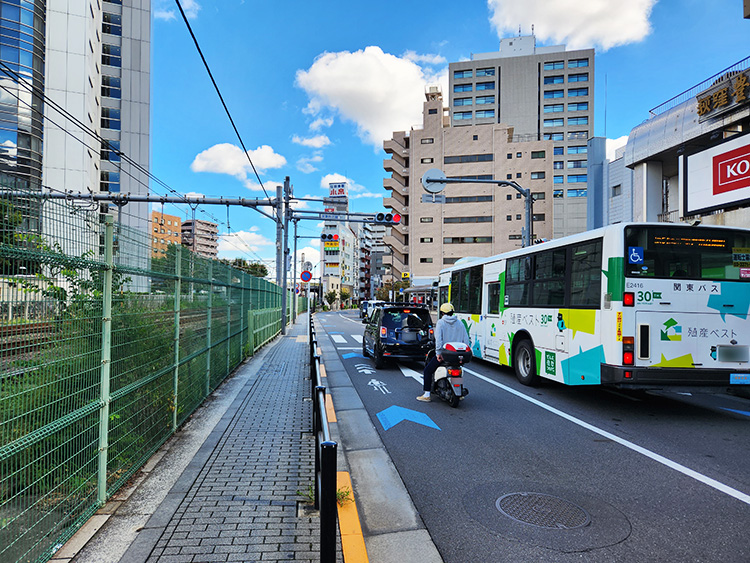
[{"x": 542, "y": 510}]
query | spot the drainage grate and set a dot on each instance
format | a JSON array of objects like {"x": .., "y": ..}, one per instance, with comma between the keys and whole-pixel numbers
[{"x": 542, "y": 510}]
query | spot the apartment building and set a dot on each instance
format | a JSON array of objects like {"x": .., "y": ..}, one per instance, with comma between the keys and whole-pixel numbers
[
  {"x": 165, "y": 230},
  {"x": 202, "y": 237},
  {"x": 544, "y": 93},
  {"x": 476, "y": 219}
]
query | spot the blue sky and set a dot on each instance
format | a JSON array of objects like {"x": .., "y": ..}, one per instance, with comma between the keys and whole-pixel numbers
[{"x": 315, "y": 87}]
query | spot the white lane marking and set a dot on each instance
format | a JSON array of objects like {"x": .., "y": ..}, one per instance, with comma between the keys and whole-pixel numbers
[
  {"x": 338, "y": 339},
  {"x": 348, "y": 347},
  {"x": 726, "y": 489},
  {"x": 359, "y": 322},
  {"x": 408, "y": 372},
  {"x": 357, "y": 337}
]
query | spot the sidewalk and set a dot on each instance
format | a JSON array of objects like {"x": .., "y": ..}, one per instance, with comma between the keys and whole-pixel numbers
[{"x": 237, "y": 498}]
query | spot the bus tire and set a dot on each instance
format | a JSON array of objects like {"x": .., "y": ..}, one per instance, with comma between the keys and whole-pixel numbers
[{"x": 524, "y": 362}]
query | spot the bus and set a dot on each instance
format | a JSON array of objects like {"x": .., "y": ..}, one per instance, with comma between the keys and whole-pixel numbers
[{"x": 630, "y": 305}]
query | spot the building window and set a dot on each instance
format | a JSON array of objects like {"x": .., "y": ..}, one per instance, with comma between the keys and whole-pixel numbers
[
  {"x": 616, "y": 190},
  {"x": 111, "y": 118},
  {"x": 466, "y": 240},
  {"x": 468, "y": 158},
  {"x": 578, "y": 120},
  {"x": 577, "y": 193},
  {"x": 558, "y": 122},
  {"x": 425, "y": 239},
  {"x": 578, "y": 150},
  {"x": 536, "y": 196},
  {"x": 519, "y": 154},
  {"x": 476, "y": 137},
  {"x": 514, "y": 237},
  {"x": 549, "y": 94},
  {"x": 576, "y": 92},
  {"x": 111, "y": 55},
  {"x": 578, "y": 63},
  {"x": 425, "y": 219},
  {"x": 572, "y": 135},
  {"x": 485, "y": 72},
  {"x": 557, "y": 194},
  {"x": 537, "y": 154},
  {"x": 481, "y": 219},
  {"x": 558, "y": 165},
  {"x": 461, "y": 115},
  {"x": 554, "y": 108},
  {"x": 554, "y": 65},
  {"x": 427, "y": 141},
  {"x": 509, "y": 217},
  {"x": 558, "y": 150},
  {"x": 510, "y": 155},
  {"x": 577, "y": 164},
  {"x": 554, "y": 136},
  {"x": 110, "y": 151},
  {"x": 483, "y": 100},
  {"x": 583, "y": 77},
  {"x": 518, "y": 217},
  {"x": 577, "y": 178},
  {"x": 425, "y": 260},
  {"x": 450, "y": 261},
  {"x": 485, "y": 86},
  {"x": 427, "y": 160},
  {"x": 432, "y": 111},
  {"x": 538, "y": 217},
  {"x": 109, "y": 181},
  {"x": 485, "y": 113},
  {"x": 462, "y": 87},
  {"x": 468, "y": 199},
  {"x": 558, "y": 180},
  {"x": 111, "y": 87},
  {"x": 537, "y": 175},
  {"x": 578, "y": 106},
  {"x": 111, "y": 23},
  {"x": 559, "y": 79},
  {"x": 509, "y": 176},
  {"x": 509, "y": 197},
  {"x": 462, "y": 101},
  {"x": 518, "y": 174},
  {"x": 462, "y": 74}
]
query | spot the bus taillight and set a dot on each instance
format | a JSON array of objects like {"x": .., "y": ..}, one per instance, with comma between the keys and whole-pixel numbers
[
  {"x": 628, "y": 299},
  {"x": 628, "y": 347}
]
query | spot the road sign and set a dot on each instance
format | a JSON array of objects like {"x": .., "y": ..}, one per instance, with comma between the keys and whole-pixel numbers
[
  {"x": 405, "y": 275},
  {"x": 431, "y": 180},
  {"x": 433, "y": 198},
  {"x": 305, "y": 276},
  {"x": 391, "y": 416}
]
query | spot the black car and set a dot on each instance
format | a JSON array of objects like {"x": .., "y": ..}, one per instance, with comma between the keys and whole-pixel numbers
[{"x": 401, "y": 331}]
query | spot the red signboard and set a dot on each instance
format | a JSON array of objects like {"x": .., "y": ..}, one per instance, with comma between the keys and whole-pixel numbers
[{"x": 732, "y": 170}]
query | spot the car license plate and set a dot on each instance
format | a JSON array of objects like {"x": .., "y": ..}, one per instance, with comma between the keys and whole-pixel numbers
[
  {"x": 739, "y": 379},
  {"x": 733, "y": 353}
]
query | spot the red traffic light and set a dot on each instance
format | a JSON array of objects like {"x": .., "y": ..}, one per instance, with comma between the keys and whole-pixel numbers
[
  {"x": 396, "y": 218},
  {"x": 335, "y": 237}
]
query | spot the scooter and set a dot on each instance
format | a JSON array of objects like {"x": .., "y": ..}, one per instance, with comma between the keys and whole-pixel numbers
[{"x": 448, "y": 383}]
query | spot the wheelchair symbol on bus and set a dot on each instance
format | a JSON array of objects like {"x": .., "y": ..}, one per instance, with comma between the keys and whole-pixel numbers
[{"x": 635, "y": 254}]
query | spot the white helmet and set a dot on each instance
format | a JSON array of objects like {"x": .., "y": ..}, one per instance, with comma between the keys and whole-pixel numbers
[{"x": 446, "y": 308}]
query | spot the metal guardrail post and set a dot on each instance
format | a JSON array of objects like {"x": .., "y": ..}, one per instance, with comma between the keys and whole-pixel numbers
[
  {"x": 328, "y": 510},
  {"x": 229, "y": 319},
  {"x": 209, "y": 314},
  {"x": 177, "y": 297},
  {"x": 106, "y": 364}
]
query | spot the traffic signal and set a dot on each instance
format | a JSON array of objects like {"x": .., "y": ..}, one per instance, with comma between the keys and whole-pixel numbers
[
  {"x": 328, "y": 237},
  {"x": 388, "y": 218}
]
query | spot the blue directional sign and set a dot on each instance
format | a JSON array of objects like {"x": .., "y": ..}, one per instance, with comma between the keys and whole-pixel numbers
[{"x": 391, "y": 416}]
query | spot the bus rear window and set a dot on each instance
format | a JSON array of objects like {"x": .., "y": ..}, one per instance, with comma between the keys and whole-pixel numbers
[{"x": 690, "y": 253}]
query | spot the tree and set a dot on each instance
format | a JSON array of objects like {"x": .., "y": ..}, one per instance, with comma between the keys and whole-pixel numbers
[
  {"x": 257, "y": 269},
  {"x": 383, "y": 293},
  {"x": 331, "y": 297},
  {"x": 344, "y": 294}
]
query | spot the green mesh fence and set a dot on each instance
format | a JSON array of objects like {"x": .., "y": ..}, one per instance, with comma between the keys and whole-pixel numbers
[{"x": 105, "y": 349}]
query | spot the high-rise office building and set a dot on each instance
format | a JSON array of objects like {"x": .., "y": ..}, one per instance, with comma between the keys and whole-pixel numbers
[{"x": 544, "y": 93}]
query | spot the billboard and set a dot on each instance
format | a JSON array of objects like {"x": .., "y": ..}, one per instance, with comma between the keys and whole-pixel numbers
[
  {"x": 718, "y": 177},
  {"x": 337, "y": 189}
]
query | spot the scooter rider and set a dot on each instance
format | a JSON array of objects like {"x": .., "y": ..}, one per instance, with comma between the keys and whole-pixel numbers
[{"x": 448, "y": 329}]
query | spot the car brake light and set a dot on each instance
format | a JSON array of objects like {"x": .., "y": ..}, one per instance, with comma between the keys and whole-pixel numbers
[
  {"x": 432, "y": 332},
  {"x": 628, "y": 299},
  {"x": 407, "y": 310},
  {"x": 383, "y": 331}
]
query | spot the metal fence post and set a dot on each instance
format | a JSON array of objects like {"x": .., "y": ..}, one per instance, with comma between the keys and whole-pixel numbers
[
  {"x": 242, "y": 317},
  {"x": 229, "y": 319},
  {"x": 177, "y": 305},
  {"x": 328, "y": 510},
  {"x": 208, "y": 330},
  {"x": 106, "y": 365}
]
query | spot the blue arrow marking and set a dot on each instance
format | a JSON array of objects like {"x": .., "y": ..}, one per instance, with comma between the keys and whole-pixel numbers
[
  {"x": 391, "y": 416},
  {"x": 335, "y": 333},
  {"x": 730, "y": 410},
  {"x": 351, "y": 355}
]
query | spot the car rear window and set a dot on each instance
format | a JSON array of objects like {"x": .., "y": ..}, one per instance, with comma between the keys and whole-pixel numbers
[{"x": 406, "y": 318}]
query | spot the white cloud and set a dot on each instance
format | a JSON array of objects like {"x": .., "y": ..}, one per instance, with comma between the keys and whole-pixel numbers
[
  {"x": 429, "y": 59},
  {"x": 379, "y": 92},
  {"x": 321, "y": 122},
  {"x": 240, "y": 243},
  {"x": 602, "y": 24},
  {"x": 305, "y": 165},
  {"x": 270, "y": 187},
  {"x": 226, "y": 158},
  {"x": 317, "y": 142},
  {"x": 356, "y": 191},
  {"x": 165, "y": 15},
  {"x": 614, "y": 144},
  {"x": 163, "y": 11},
  {"x": 194, "y": 194}
]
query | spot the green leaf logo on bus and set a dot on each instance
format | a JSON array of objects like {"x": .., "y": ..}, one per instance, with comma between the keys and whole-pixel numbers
[{"x": 672, "y": 331}]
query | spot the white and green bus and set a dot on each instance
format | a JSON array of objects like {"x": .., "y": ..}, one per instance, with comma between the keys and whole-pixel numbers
[{"x": 638, "y": 305}]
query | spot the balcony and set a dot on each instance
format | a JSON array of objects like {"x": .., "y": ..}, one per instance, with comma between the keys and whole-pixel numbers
[
  {"x": 394, "y": 167},
  {"x": 395, "y": 185},
  {"x": 668, "y": 217},
  {"x": 391, "y": 146},
  {"x": 397, "y": 203}
]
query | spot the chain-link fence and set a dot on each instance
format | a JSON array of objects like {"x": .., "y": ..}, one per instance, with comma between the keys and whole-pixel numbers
[{"x": 106, "y": 347}]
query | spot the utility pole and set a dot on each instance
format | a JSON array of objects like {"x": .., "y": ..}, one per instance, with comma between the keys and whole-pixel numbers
[
  {"x": 285, "y": 257},
  {"x": 294, "y": 274}
]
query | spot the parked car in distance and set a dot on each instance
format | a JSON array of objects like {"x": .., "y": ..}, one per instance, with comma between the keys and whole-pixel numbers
[
  {"x": 399, "y": 331},
  {"x": 366, "y": 307}
]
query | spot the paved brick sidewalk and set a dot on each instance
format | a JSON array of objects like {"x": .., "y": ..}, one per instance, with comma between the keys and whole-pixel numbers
[{"x": 241, "y": 505}]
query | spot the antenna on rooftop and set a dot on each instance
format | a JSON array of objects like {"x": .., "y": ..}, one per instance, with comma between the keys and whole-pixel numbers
[
  {"x": 532, "y": 29},
  {"x": 519, "y": 30}
]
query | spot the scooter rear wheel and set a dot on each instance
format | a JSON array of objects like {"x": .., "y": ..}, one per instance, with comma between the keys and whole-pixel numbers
[{"x": 453, "y": 399}]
